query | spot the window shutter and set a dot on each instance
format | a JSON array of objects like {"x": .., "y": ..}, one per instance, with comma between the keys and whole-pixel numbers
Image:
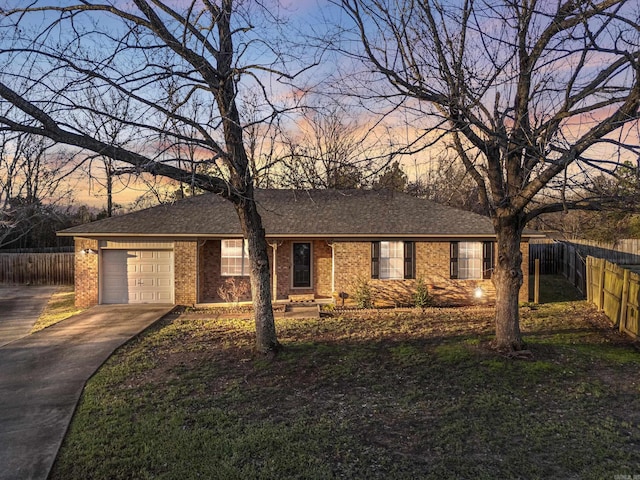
[
  {"x": 409, "y": 259},
  {"x": 487, "y": 259},
  {"x": 375, "y": 259},
  {"x": 453, "y": 269}
]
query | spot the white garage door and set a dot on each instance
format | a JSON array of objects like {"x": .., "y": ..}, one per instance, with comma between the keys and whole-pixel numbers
[{"x": 137, "y": 276}]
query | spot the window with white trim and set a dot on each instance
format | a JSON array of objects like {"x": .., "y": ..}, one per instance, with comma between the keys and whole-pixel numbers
[
  {"x": 472, "y": 260},
  {"x": 391, "y": 260},
  {"x": 234, "y": 258}
]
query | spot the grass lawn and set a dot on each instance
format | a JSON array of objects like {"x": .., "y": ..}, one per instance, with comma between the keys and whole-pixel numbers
[
  {"x": 60, "y": 306},
  {"x": 370, "y": 396}
]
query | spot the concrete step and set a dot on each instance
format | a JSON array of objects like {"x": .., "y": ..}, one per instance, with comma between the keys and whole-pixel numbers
[{"x": 293, "y": 310}]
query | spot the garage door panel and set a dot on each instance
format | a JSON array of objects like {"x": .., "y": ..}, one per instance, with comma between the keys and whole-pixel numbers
[
  {"x": 165, "y": 297},
  {"x": 164, "y": 268},
  {"x": 147, "y": 268},
  {"x": 142, "y": 276}
]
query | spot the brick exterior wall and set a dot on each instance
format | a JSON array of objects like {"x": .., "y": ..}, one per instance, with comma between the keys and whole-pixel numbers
[
  {"x": 211, "y": 279},
  {"x": 320, "y": 269},
  {"x": 86, "y": 273},
  {"x": 185, "y": 257},
  {"x": 197, "y": 273},
  {"x": 353, "y": 262}
]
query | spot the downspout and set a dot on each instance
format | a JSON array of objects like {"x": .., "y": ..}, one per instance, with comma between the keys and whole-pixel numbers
[
  {"x": 274, "y": 275},
  {"x": 199, "y": 246},
  {"x": 333, "y": 267}
]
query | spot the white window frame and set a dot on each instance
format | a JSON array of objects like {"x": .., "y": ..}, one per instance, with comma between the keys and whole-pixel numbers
[
  {"x": 391, "y": 260},
  {"x": 225, "y": 254},
  {"x": 470, "y": 258}
]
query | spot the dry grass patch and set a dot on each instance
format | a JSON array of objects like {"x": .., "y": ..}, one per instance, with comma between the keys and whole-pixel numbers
[{"x": 61, "y": 305}]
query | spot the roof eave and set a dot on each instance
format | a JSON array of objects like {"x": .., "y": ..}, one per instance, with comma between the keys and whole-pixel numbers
[{"x": 287, "y": 235}]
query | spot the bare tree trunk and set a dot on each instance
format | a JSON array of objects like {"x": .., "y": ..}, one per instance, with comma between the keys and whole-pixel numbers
[
  {"x": 266, "y": 339},
  {"x": 508, "y": 278}
]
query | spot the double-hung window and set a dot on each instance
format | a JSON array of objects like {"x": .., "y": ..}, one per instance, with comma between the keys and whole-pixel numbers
[
  {"x": 234, "y": 258},
  {"x": 471, "y": 260},
  {"x": 393, "y": 260}
]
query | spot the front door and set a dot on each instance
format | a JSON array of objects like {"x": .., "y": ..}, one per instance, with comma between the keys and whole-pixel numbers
[{"x": 302, "y": 265}]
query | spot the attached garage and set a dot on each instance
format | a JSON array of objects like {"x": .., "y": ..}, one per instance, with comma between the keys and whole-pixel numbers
[{"x": 136, "y": 276}]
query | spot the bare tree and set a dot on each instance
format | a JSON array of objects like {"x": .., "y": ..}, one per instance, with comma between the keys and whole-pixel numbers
[
  {"x": 210, "y": 49},
  {"x": 533, "y": 94},
  {"x": 262, "y": 142},
  {"x": 618, "y": 221},
  {"x": 446, "y": 181},
  {"x": 114, "y": 131},
  {"x": 328, "y": 148},
  {"x": 31, "y": 186}
]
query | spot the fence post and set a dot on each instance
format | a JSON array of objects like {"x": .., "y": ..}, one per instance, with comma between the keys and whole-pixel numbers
[
  {"x": 536, "y": 282},
  {"x": 589, "y": 276},
  {"x": 602, "y": 263},
  {"x": 622, "y": 321}
]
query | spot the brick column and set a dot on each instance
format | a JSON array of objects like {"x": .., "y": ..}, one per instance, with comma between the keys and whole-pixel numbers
[
  {"x": 186, "y": 272},
  {"x": 86, "y": 272}
]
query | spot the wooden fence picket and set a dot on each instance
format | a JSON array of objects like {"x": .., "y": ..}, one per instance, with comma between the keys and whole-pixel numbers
[
  {"x": 36, "y": 268},
  {"x": 616, "y": 291}
]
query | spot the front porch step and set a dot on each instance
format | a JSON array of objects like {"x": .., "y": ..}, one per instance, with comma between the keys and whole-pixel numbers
[
  {"x": 297, "y": 310},
  {"x": 302, "y": 297}
]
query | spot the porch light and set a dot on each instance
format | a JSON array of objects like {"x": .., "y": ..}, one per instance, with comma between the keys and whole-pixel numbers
[
  {"x": 86, "y": 251},
  {"x": 478, "y": 293}
]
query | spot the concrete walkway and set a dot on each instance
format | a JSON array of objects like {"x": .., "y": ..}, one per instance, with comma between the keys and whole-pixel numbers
[
  {"x": 42, "y": 377},
  {"x": 20, "y": 307}
]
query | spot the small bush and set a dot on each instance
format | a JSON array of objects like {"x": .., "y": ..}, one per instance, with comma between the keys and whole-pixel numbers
[
  {"x": 232, "y": 291},
  {"x": 363, "y": 293},
  {"x": 422, "y": 298}
]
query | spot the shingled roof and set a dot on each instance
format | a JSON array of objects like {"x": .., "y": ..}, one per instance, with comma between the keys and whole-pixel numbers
[{"x": 286, "y": 213}]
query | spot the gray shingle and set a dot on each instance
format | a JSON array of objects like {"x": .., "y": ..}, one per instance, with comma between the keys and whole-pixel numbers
[{"x": 295, "y": 212}]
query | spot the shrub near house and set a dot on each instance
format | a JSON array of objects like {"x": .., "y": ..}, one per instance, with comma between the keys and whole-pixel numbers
[{"x": 320, "y": 242}]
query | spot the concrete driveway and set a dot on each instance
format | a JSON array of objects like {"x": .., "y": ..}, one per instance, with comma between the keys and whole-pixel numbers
[
  {"x": 42, "y": 377},
  {"x": 20, "y": 307}
]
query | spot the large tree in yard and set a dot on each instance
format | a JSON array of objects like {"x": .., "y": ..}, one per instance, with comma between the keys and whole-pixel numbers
[
  {"x": 534, "y": 95},
  {"x": 168, "y": 59}
]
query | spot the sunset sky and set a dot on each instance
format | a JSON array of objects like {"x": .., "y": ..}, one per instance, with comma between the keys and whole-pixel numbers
[{"x": 309, "y": 21}]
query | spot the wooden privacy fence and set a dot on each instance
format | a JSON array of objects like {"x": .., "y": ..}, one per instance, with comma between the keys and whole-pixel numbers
[
  {"x": 36, "y": 268},
  {"x": 616, "y": 291},
  {"x": 623, "y": 252},
  {"x": 550, "y": 254},
  {"x": 559, "y": 258}
]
